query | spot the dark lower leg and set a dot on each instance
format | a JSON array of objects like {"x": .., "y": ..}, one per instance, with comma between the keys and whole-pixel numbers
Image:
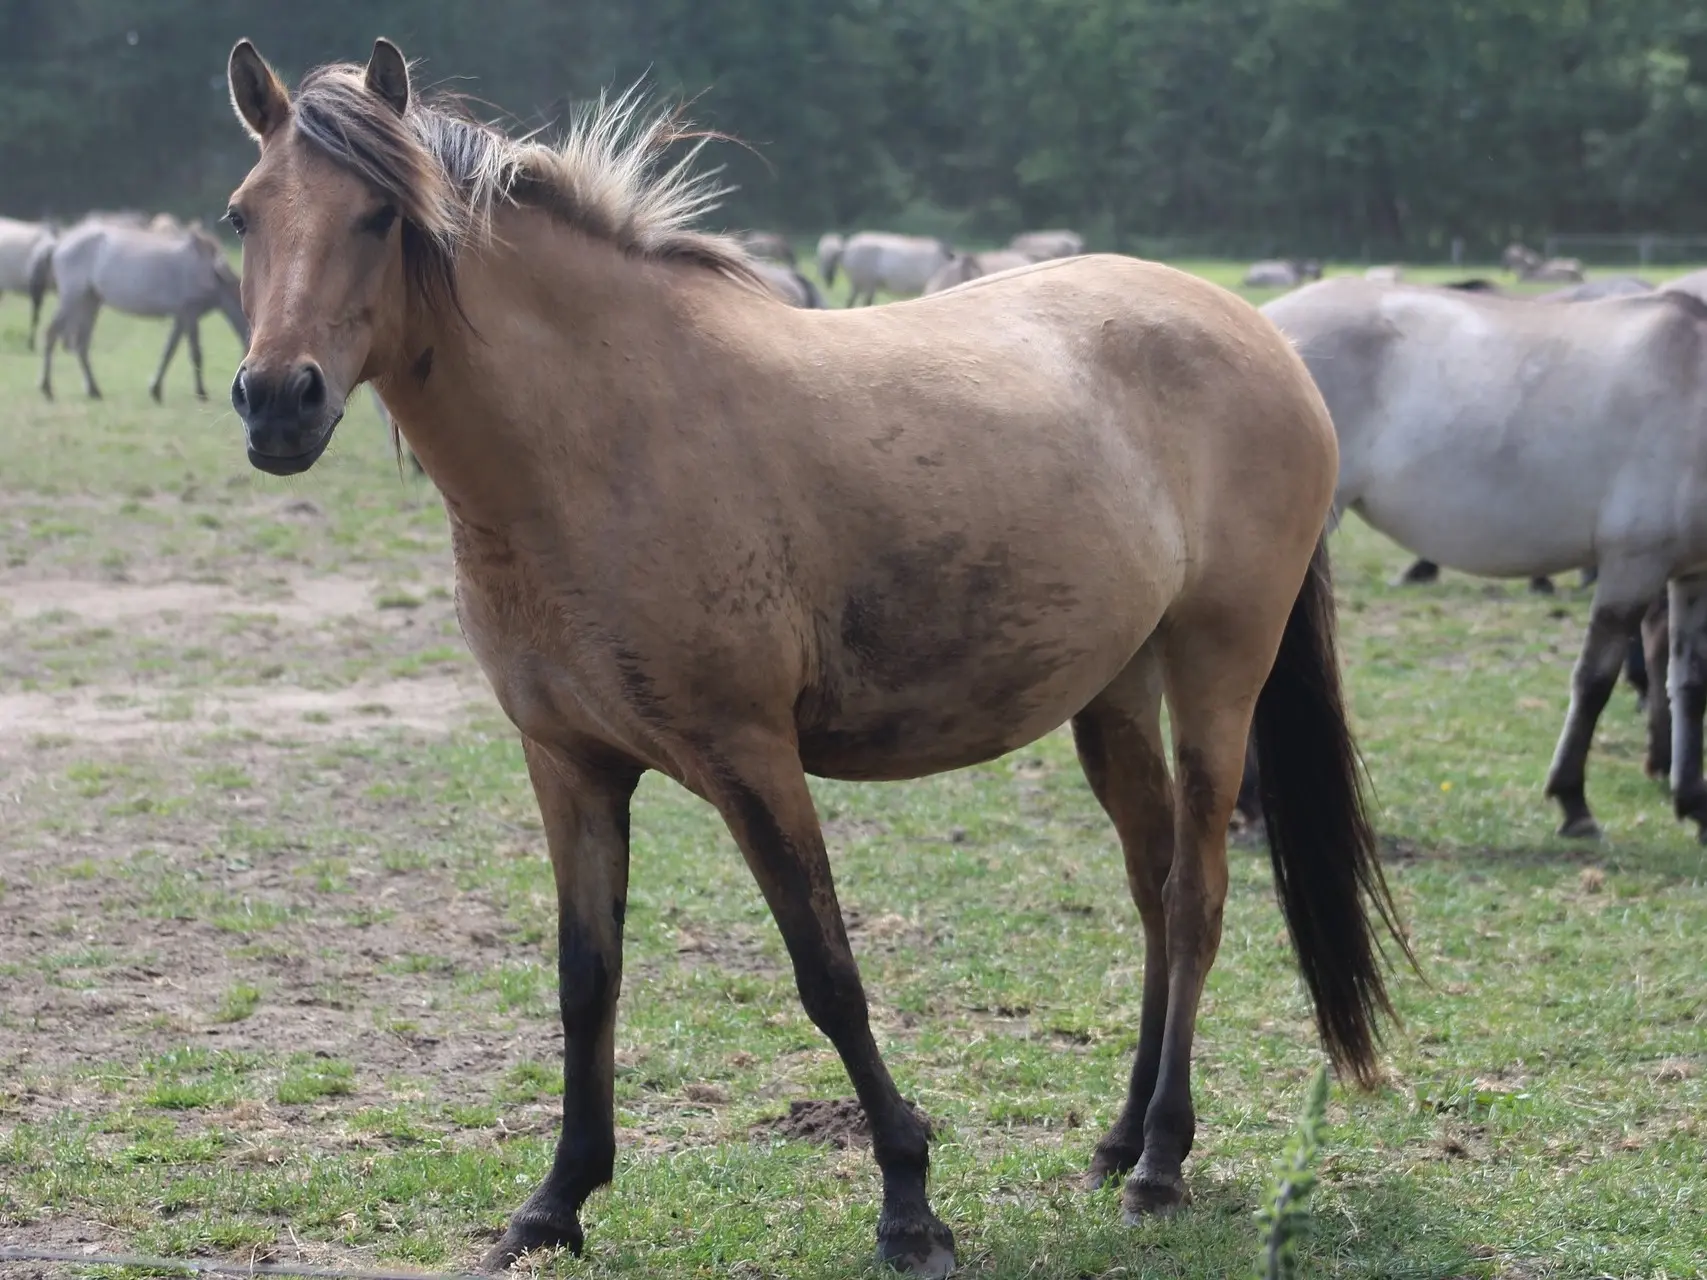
[
  {"x": 1592, "y": 682},
  {"x": 767, "y": 805},
  {"x": 194, "y": 336},
  {"x": 1686, "y": 681},
  {"x": 1656, "y": 693},
  {"x": 586, "y": 821},
  {"x": 1121, "y": 752},
  {"x": 1418, "y": 573},
  {"x": 1210, "y": 754}
]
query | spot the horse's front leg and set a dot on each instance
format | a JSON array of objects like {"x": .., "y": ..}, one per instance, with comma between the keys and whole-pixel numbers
[
  {"x": 759, "y": 787},
  {"x": 1655, "y": 691},
  {"x": 193, "y": 336},
  {"x": 166, "y": 359},
  {"x": 585, "y": 810},
  {"x": 1686, "y": 682},
  {"x": 1620, "y": 599}
]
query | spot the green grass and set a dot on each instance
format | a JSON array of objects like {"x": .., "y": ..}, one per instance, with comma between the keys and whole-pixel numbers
[{"x": 283, "y": 982}]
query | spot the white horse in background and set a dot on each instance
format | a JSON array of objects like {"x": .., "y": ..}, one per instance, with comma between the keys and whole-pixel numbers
[
  {"x": 971, "y": 266},
  {"x": 179, "y": 274},
  {"x": 1507, "y": 439},
  {"x": 1040, "y": 246},
  {"x": 24, "y": 249},
  {"x": 876, "y": 260}
]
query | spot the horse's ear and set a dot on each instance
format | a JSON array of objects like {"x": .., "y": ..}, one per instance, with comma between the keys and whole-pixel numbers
[
  {"x": 257, "y": 94},
  {"x": 388, "y": 75}
]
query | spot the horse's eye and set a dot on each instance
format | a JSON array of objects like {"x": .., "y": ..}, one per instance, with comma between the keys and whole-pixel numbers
[
  {"x": 379, "y": 221},
  {"x": 235, "y": 218}
]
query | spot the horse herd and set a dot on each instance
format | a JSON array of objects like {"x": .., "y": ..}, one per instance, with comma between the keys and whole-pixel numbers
[
  {"x": 145, "y": 266},
  {"x": 701, "y": 533}
]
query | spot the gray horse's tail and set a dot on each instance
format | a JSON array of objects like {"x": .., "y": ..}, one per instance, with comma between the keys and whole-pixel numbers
[{"x": 1327, "y": 872}]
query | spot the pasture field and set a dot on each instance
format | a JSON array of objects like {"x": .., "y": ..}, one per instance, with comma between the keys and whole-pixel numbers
[{"x": 276, "y": 928}]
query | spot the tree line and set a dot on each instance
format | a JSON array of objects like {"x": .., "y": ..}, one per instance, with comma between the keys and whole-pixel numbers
[{"x": 1324, "y": 127}]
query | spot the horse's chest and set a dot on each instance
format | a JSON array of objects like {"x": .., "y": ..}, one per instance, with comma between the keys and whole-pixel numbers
[{"x": 526, "y": 657}]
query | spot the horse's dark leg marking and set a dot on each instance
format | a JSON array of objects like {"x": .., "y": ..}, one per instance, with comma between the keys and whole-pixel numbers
[
  {"x": 1542, "y": 585},
  {"x": 154, "y": 388},
  {"x": 762, "y": 794},
  {"x": 1592, "y": 680},
  {"x": 1213, "y": 675},
  {"x": 586, "y": 827},
  {"x": 1119, "y": 737},
  {"x": 1417, "y": 573},
  {"x": 1656, "y": 697},
  {"x": 1687, "y": 684},
  {"x": 193, "y": 334}
]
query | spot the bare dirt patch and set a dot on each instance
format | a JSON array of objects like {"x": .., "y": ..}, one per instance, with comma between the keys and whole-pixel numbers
[{"x": 833, "y": 1122}]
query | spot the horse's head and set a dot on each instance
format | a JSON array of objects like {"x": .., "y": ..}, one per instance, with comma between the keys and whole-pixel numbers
[{"x": 322, "y": 217}]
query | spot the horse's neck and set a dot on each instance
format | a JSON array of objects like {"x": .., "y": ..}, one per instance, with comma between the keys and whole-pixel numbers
[{"x": 516, "y": 399}]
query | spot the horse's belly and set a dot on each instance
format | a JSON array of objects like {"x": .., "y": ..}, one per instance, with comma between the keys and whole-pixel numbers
[
  {"x": 943, "y": 710},
  {"x": 1496, "y": 533}
]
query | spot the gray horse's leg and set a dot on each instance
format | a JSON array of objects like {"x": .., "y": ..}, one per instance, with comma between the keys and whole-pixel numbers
[
  {"x": 1687, "y": 684},
  {"x": 54, "y": 326},
  {"x": 193, "y": 335},
  {"x": 166, "y": 359},
  {"x": 85, "y": 333},
  {"x": 1418, "y": 572},
  {"x": 1542, "y": 585},
  {"x": 1620, "y": 600},
  {"x": 1655, "y": 652}
]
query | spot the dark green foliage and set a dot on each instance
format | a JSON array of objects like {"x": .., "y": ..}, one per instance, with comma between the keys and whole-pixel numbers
[{"x": 1254, "y": 126}]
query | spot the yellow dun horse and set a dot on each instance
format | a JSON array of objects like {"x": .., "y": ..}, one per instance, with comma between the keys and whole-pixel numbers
[{"x": 700, "y": 531}]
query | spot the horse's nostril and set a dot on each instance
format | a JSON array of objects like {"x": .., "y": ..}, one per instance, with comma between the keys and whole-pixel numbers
[
  {"x": 240, "y": 393},
  {"x": 313, "y": 388}
]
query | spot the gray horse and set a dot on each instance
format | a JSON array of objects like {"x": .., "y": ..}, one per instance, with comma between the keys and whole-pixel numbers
[
  {"x": 876, "y": 260},
  {"x": 1040, "y": 246},
  {"x": 23, "y": 248},
  {"x": 179, "y": 274},
  {"x": 970, "y": 266}
]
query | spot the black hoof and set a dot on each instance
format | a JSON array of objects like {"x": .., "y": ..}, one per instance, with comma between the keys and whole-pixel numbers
[
  {"x": 1152, "y": 1196},
  {"x": 529, "y": 1231},
  {"x": 1542, "y": 586},
  {"x": 923, "y": 1247},
  {"x": 1110, "y": 1162},
  {"x": 1583, "y": 828}
]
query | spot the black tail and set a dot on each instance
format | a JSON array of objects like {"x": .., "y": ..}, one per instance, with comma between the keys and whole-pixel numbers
[{"x": 1326, "y": 869}]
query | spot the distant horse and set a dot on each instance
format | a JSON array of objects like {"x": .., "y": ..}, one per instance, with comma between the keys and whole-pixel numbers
[
  {"x": 1605, "y": 287},
  {"x": 830, "y": 246},
  {"x": 1277, "y": 273},
  {"x": 1519, "y": 258},
  {"x": 23, "y": 248},
  {"x": 789, "y": 285},
  {"x": 1567, "y": 270},
  {"x": 1508, "y": 440},
  {"x": 1041, "y": 246},
  {"x": 703, "y": 533},
  {"x": 876, "y": 260},
  {"x": 770, "y": 245},
  {"x": 971, "y": 266},
  {"x": 181, "y": 275}
]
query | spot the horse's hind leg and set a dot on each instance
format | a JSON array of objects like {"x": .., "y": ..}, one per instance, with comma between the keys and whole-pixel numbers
[
  {"x": 1119, "y": 737},
  {"x": 193, "y": 335},
  {"x": 1654, "y": 687},
  {"x": 165, "y": 359},
  {"x": 1417, "y": 573},
  {"x": 1621, "y": 597},
  {"x": 1686, "y": 681},
  {"x": 585, "y": 810},
  {"x": 84, "y": 334},
  {"x": 759, "y": 787}
]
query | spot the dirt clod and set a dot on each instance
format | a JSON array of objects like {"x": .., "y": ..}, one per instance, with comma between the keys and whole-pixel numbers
[{"x": 834, "y": 1122}]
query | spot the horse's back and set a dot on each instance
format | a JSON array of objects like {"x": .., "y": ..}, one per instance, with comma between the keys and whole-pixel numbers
[{"x": 1497, "y": 436}]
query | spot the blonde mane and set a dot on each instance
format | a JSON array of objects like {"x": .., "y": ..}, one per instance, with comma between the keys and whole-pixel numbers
[{"x": 447, "y": 174}]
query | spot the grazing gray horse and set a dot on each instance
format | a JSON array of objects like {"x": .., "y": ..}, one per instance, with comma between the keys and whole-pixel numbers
[
  {"x": 789, "y": 285},
  {"x": 830, "y": 246},
  {"x": 876, "y": 260},
  {"x": 1041, "y": 246},
  {"x": 1605, "y": 287},
  {"x": 178, "y": 274},
  {"x": 23, "y": 247},
  {"x": 1508, "y": 440},
  {"x": 1277, "y": 273},
  {"x": 971, "y": 266}
]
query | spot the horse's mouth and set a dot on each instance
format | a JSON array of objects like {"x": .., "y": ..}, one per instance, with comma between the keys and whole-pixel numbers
[{"x": 292, "y": 464}]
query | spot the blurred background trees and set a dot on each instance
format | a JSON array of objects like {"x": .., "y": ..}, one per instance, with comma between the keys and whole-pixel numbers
[{"x": 1352, "y": 128}]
